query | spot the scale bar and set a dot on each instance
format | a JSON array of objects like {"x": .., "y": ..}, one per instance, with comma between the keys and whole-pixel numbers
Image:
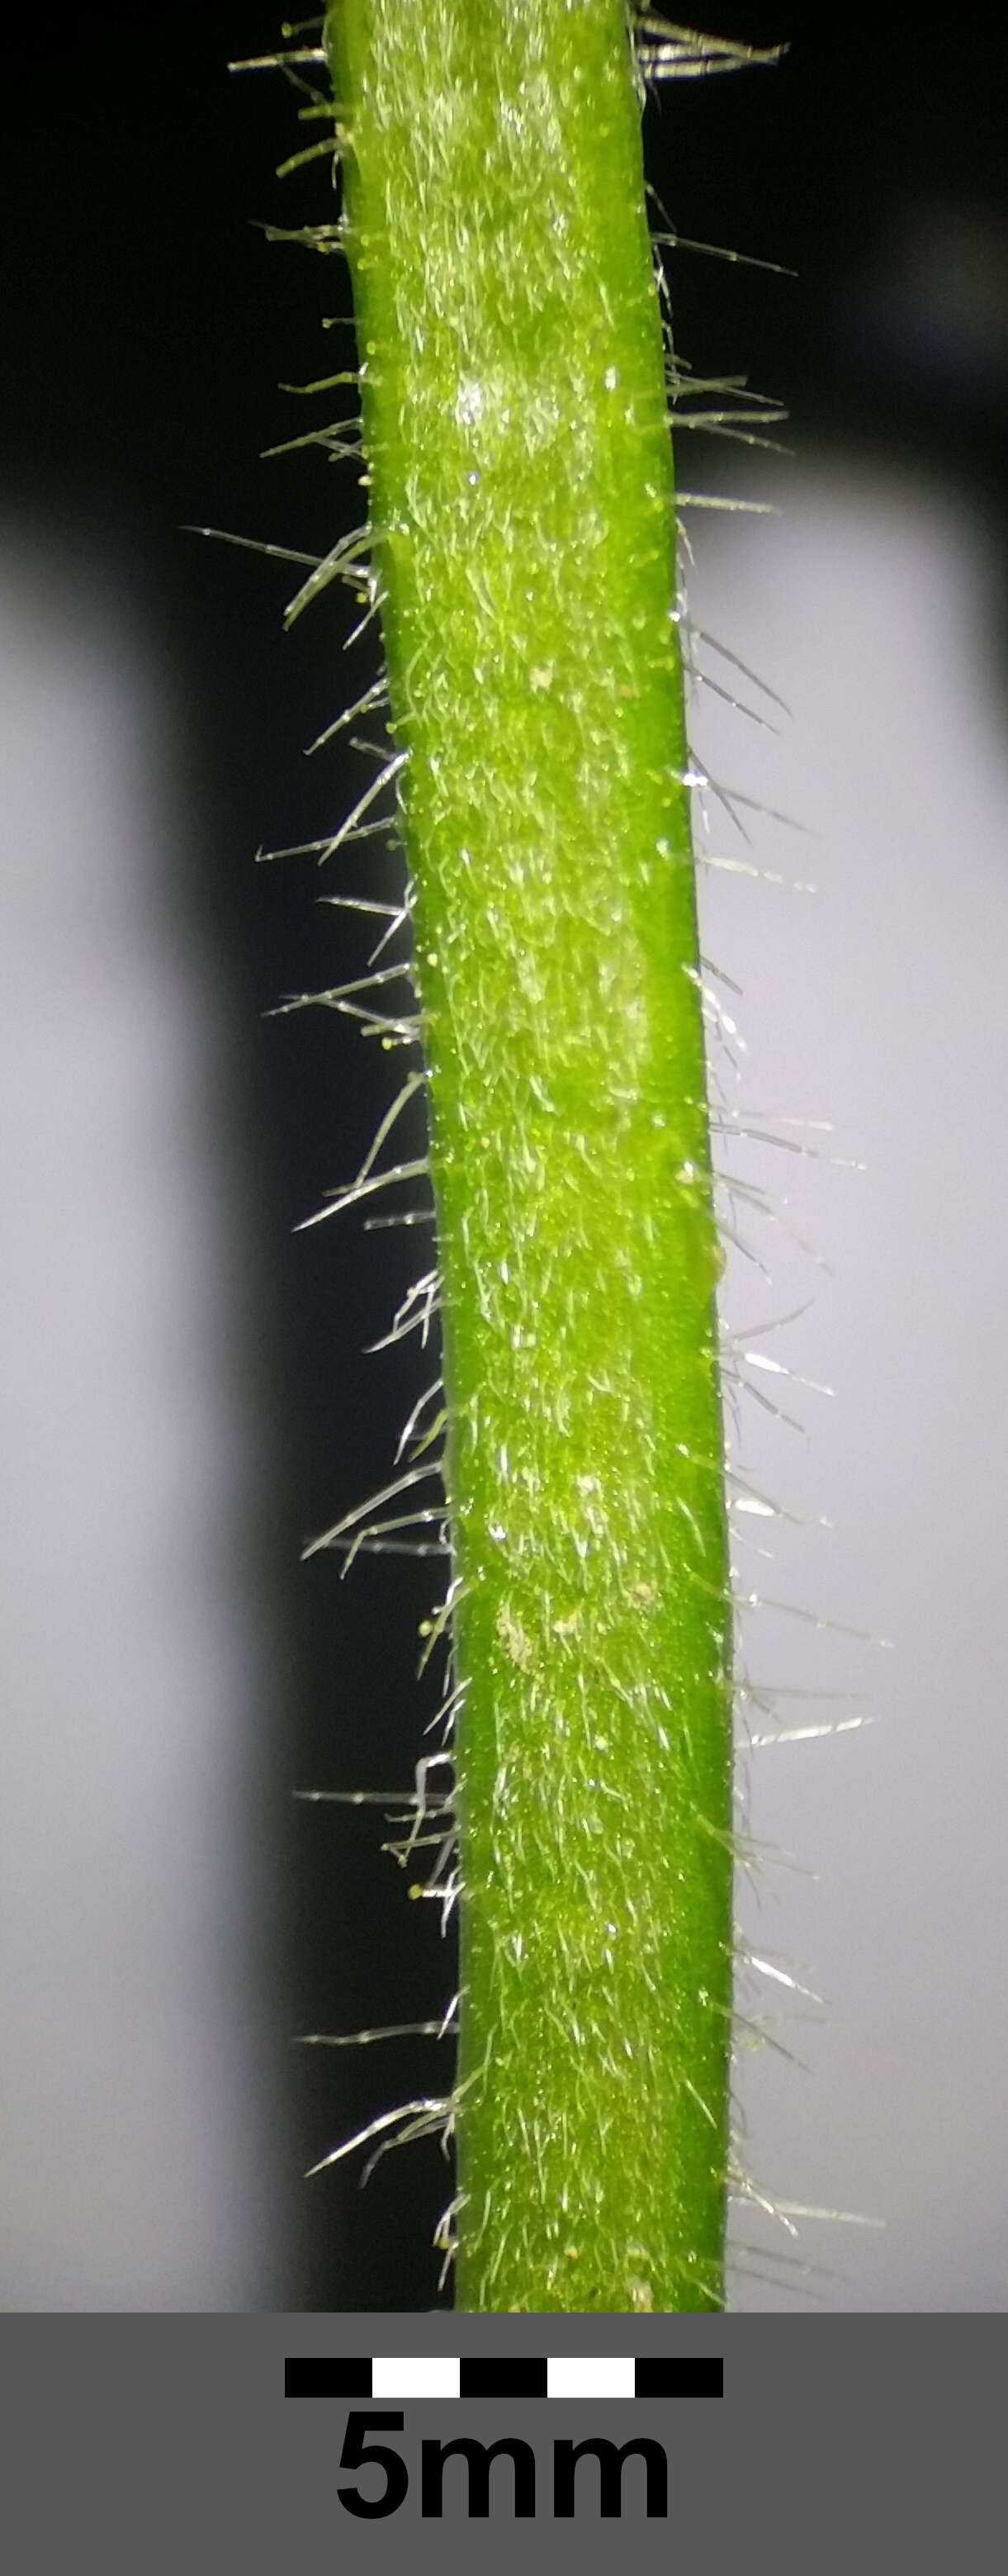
[{"x": 398, "y": 2379}]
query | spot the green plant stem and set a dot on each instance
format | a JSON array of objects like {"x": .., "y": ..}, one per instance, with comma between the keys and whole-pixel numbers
[{"x": 516, "y": 436}]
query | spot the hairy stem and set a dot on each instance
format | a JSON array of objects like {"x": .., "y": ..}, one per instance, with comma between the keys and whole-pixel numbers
[{"x": 516, "y": 435}]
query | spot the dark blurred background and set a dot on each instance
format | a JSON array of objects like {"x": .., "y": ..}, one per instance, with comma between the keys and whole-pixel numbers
[{"x": 175, "y": 1918}]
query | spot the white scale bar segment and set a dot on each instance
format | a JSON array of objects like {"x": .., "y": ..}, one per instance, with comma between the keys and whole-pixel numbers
[
  {"x": 571, "y": 2375},
  {"x": 415, "y": 2376}
]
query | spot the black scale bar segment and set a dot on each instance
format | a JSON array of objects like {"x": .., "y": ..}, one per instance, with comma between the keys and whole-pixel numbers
[
  {"x": 502, "y": 2379},
  {"x": 679, "y": 2378},
  {"x": 326, "y": 2377}
]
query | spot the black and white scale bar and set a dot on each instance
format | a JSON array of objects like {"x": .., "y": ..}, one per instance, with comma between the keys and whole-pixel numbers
[{"x": 570, "y": 2375}]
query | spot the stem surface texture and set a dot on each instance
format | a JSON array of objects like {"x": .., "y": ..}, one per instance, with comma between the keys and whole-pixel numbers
[{"x": 516, "y": 436}]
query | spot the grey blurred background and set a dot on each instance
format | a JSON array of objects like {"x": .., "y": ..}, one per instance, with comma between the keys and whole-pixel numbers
[
  {"x": 183, "y": 1399},
  {"x": 875, "y": 1003}
]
